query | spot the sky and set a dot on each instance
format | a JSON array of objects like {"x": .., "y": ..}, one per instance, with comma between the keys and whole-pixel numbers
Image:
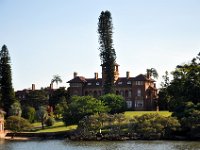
[{"x": 50, "y": 37}]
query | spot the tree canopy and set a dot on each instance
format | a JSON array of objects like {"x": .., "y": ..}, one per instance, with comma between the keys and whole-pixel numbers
[
  {"x": 116, "y": 103},
  {"x": 82, "y": 106},
  {"x": 17, "y": 124},
  {"x": 6, "y": 88},
  {"x": 107, "y": 52},
  {"x": 185, "y": 85}
]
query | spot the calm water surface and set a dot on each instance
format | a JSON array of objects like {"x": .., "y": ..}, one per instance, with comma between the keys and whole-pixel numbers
[{"x": 125, "y": 145}]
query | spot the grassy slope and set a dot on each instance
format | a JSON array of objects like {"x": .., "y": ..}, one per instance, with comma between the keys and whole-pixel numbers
[
  {"x": 60, "y": 126},
  {"x": 131, "y": 114}
]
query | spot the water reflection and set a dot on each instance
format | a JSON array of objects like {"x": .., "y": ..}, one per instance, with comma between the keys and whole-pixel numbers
[{"x": 104, "y": 145}]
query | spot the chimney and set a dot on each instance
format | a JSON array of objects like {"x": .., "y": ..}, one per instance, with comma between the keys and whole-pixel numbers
[
  {"x": 96, "y": 75},
  {"x": 33, "y": 87},
  {"x": 51, "y": 86},
  {"x": 127, "y": 74},
  {"x": 75, "y": 74}
]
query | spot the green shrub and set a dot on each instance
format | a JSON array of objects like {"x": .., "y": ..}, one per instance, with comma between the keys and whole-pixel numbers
[
  {"x": 50, "y": 121},
  {"x": 17, "y": 124}
]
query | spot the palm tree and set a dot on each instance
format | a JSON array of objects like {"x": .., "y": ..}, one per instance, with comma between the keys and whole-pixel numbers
[
  {"x": 152, "y": 72},
  {"x": 57, "y": 79}
]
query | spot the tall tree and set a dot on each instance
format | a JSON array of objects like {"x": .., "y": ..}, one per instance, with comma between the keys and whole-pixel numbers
[
  {"x": 185, "y": 85},
  {"x": 107, "y": 52},
  {"x": 164, "y": 97},
  {"x": 7, "y": 92},
  {"x": 56, "y": 79},
  {"x": 152, "y": 72}
]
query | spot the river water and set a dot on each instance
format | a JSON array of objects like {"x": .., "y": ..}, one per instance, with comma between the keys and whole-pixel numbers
[{"x": 102, "y": 145}]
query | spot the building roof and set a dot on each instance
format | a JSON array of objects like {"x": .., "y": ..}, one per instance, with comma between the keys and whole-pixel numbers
[
  {"x": 142, "y": 77},
  {"x": 78, "y": 79},
  {"x": 121, "y": 81}
]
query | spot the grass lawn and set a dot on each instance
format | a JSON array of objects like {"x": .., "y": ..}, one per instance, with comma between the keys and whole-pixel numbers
[
  {"x": 58, "y": 126},
  {"x": 131, "y": 114}
]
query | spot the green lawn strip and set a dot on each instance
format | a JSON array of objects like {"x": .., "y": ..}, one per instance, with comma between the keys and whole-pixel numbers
[
  {"x": 131, "y": 114},
  {"x": 56, "y": 124},
  {"x": 57, "y": 129}
]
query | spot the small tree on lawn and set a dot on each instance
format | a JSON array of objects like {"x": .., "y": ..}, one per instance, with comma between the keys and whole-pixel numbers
[{"x": 42, "y": 115}]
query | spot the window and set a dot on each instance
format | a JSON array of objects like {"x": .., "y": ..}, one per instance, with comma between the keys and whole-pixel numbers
[
  {"x": 89, "y": 83},
  {"x": 119, "y": 83},
  {"x": 126, "y": 93},
  {"x": 139, "y": 83},
  {"x": 139, "y": 104},
  {"x": 122, "y": 93},
  {"x": 139, "y": 92},
  {"x": 97, "y": 83},
  {"x": 75, "y": 84},
  {"x": 129, "y": 93},
  {"x": 129, "y": 104},
  {"x": 129, "y": 82}
]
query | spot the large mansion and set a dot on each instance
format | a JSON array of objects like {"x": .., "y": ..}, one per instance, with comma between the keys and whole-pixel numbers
[{"x": 140, "y": 92}]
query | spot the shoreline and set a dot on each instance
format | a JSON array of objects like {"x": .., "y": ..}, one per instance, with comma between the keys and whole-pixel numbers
[
  {"x": 74, "y": 136},
  {"x": 9, "y": 138}
]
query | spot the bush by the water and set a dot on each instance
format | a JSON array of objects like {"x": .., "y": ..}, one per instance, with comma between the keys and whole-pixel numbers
[
  {"x": 115, "y": 127},
  {"x": 153, "y": 126}
]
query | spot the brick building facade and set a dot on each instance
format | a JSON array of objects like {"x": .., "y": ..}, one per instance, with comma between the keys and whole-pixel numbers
[{"x": 139, "y": 92}]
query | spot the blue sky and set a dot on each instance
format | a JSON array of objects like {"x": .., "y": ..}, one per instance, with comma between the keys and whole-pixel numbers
[{"x": 48, "y": 37}]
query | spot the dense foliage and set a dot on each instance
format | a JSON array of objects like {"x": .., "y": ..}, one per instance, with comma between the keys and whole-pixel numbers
[
  {"x": 107, "y": 52},
  {"x": 153, "y": 126},
  {"x": 6, "y": 88},
  {"x": 50, "y": 121},
  {"x": 29, "y": 113},
  {"x": 117, "y": 126},
  {"x": 36, "y": 99},
  {"x": 58, "y": 96},
  {"x": 82, "y": 106},
  {"x": 42, "y": 115},
  {"x": 189, "y": 115},
  {"x": 116, "y": 103},
  {"x": 15, "y": 109},
  {"x": 182, "y": 96},
  {"x": 17, "y": 124},
  {"x": 184, "y": 87}
]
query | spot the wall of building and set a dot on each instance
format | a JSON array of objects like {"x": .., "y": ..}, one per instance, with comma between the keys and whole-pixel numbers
[{"x": 2, "y": 132}]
